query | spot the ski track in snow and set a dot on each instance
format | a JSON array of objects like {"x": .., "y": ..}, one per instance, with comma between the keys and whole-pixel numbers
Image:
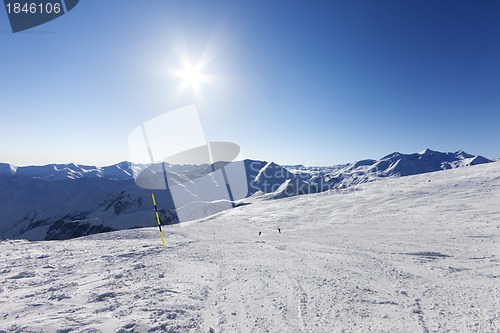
[{"x": 412, "y": 254}]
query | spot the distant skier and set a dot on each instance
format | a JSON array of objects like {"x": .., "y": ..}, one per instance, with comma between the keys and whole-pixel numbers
[
  {"x": 260, "y": 233},
  {"x": 279, "y": 230}
]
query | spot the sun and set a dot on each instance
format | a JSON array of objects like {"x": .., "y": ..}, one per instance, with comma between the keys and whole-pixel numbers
[{"x": 191, "y": 77}]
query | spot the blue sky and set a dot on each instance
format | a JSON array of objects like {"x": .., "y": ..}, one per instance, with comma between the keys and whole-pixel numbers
[{"x": 310, "y": 82}]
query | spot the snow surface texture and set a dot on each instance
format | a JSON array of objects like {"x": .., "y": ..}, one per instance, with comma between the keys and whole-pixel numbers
[
  {"x": 61, "y": 201},
  {"x": 410, "y": 254}
]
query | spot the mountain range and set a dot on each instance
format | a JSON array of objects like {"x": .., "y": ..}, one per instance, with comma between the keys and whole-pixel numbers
[{"x": 61, "y": 201}]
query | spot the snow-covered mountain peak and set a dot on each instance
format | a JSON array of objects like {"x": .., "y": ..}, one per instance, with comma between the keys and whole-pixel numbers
[
  {"x": 428, "y": 152},
  {"x": 7, "y": 169},
  {"x": 464, "y": 155},
  {"x": 391, "y": 156},
  {"x": 361, "y": 163}
]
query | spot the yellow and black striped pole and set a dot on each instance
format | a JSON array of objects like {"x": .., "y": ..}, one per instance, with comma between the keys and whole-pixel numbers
[{"x": 158, "y": 220}]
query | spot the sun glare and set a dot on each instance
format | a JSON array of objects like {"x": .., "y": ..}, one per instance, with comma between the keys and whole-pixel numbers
[{"x": 191, "y": 77}]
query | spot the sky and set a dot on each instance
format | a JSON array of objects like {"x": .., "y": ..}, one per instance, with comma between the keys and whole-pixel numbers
[{"x": 294, "y": 82}]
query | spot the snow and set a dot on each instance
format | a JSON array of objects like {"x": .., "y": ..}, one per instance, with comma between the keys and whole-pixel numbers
[{"x": 409, "y": 254}]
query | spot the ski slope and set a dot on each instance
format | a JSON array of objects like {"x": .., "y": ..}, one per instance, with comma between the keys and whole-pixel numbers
[{"x": 413, "y": 254}]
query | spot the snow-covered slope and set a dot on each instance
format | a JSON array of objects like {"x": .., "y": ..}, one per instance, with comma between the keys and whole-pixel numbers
[
  {"x": 38, "y": 209},
  {"x": 60, "y": 201},
  {"x": 409, "y": 254}
]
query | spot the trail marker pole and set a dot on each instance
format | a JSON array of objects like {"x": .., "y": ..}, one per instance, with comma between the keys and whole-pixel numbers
[{"x": 158, "y": 220}]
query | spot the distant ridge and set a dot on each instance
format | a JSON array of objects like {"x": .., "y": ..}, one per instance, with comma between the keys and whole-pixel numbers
[
  {"x": 122, "y": 170},
  {"x": 393, "y": 165}
]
